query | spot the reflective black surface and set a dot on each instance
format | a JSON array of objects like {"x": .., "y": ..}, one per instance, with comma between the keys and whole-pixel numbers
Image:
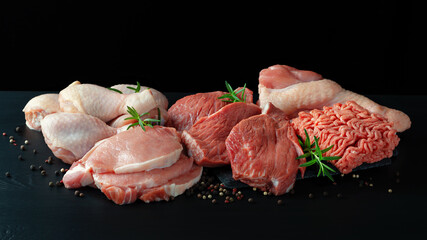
[{"x": 353, "y": 208}]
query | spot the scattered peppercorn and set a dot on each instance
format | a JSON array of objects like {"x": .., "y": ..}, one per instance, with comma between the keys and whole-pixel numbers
[
  {"x": 213, "y": 201},
  {"x": 20, "y": 157},
  {"x": 22, "y": 147},
  {"x": 58, "y": 183},
  {"x": 32, "y": 167},
  {"x": 339, "y": 195},
  {"x": 51, "y": 184},
  {"x": 311, "y": 195},
  {"x": 34, "y": 151},
  {"x": 26, "y": 142},
  {"x": 43, "y": 172},
  {"x": 82, "y": 195},
  {"x": 76, "y": 193},
  {"x": 390, "y": 190},
  {"x": 57, "y": 173},
  {"x": 17, "y": 129},
  {"x": 250, "y": 200},
  {"x": 280, "y": 202},
  {"x": 325, "y": 193},
  {"x": 7, "y": 174}
]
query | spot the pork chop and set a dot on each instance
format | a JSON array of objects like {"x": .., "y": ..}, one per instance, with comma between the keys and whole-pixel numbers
[
  {"x": 154, "y": 185},
  {"x": 135, "y": 150},
  {"x": 205, "y": 141}
]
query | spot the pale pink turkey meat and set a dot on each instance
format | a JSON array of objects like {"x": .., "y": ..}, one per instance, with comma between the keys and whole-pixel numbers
[
  {"x": 262, "y": 150},
  {"x": 205, "y": 140},
  {"x": 357, "y": 135},
  {"x": 188, "y": 110},
  {"x": 294, "y": 90}
]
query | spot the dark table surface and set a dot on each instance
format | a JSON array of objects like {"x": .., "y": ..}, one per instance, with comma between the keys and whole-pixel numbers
[{"x": 364, "y": 208}]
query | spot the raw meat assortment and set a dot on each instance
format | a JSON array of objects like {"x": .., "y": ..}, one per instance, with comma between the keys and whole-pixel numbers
[
  {"x": 127, "y": 166},
  {"x": 103, "y": 103},
  {"x": 85, "y": 125},
  {"x": 358, "y": 136},
  {"x": 188, "y": 110},
  {"x": 262, "y": 150},
  {"x": 38, "y": 108},
  {"x": 294, "y": 90},
  {"x": 205, "y": 141},
  {"x": 71, "y": 135}
]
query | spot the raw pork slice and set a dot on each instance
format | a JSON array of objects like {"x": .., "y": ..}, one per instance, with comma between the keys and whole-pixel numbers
[
  {"x": 38, "y": 108},
  {"x": 187, "y": 110},
  {"x": 205, "y": 141},
  {"x": 262, "y": 150},
  {"x": 154, "y": 185},
  {"x": 358, "y": 136},
  {"x": 135, "y": 150},
  {"x": 294, "y": 90}
]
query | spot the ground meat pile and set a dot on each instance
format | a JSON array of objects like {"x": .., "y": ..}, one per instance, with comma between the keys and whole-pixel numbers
[{"x": 358, "y": 136}]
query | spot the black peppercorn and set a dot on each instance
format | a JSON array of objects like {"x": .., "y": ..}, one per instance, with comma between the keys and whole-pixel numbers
[
  {"x": 311, "y": 195},
  {"x": 51, "y": 184},
  {"x": 7, "y": 174},
  {"x": 280, "y": 202},
  {"x": 43, "y": 172},
  {"x": 76, "y": 193},
  {"x": 32, "y": 167},
  {"x": 250, "y": 200}
]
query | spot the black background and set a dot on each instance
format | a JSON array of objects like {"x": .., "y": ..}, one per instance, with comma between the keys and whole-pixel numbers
[{"x": 366, "y": 46}]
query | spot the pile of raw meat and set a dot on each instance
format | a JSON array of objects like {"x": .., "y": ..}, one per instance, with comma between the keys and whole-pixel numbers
[{"x": 85, "y": 125}]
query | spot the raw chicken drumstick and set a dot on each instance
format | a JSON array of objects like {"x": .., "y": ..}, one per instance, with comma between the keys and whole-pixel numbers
[
  {"x": 294, "y": 90},
  {"x": 103, "y": 103},
  {"x": 71, "y": 135},
  {"x": 38, "y": 107}
]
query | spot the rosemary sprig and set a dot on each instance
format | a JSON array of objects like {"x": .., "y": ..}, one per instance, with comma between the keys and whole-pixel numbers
[
  {"x": 115, "y": 90},
  {"x": 232, "y": 95},
  {"x": 314, "y": 154},
  {"x": 143, "y": 123},
  {"x": 137, "y": 89}
]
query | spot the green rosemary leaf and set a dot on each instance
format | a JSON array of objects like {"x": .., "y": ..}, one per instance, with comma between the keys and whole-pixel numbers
[{"x": 115, "y": 90}]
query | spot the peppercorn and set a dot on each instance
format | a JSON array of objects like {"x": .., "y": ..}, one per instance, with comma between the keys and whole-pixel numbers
[
  {"x": 325, "y": 193},
  {"x": 51, "y": 184},
  {"x": 311, "y": 195},
  {"x": 280, "y": 202},
  {"x": 213, "y": 201},
  {"x": 7, "y": 174},
  {"x": 34, "y": 151},
  {"x": 76, "y": 193},
  {"x": 81, "y": 194},
  {"x": 32, "y": 167},
  {"x": 17, "y": 129},
  {"x": 250, "y": 200},
  {"x": 40, "y": 168},
  {"x": 390, "y": 190},
  {"x": 57, "y": 173},
  {"x": 22, "y": 147},
  {"x": 26, "y": 142},
  {"x": 20, "y": 157},
  {"x": 43, "y": 172},
  {"x": 58, "y": 183},
  {"x": 339, "y": 195}
]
